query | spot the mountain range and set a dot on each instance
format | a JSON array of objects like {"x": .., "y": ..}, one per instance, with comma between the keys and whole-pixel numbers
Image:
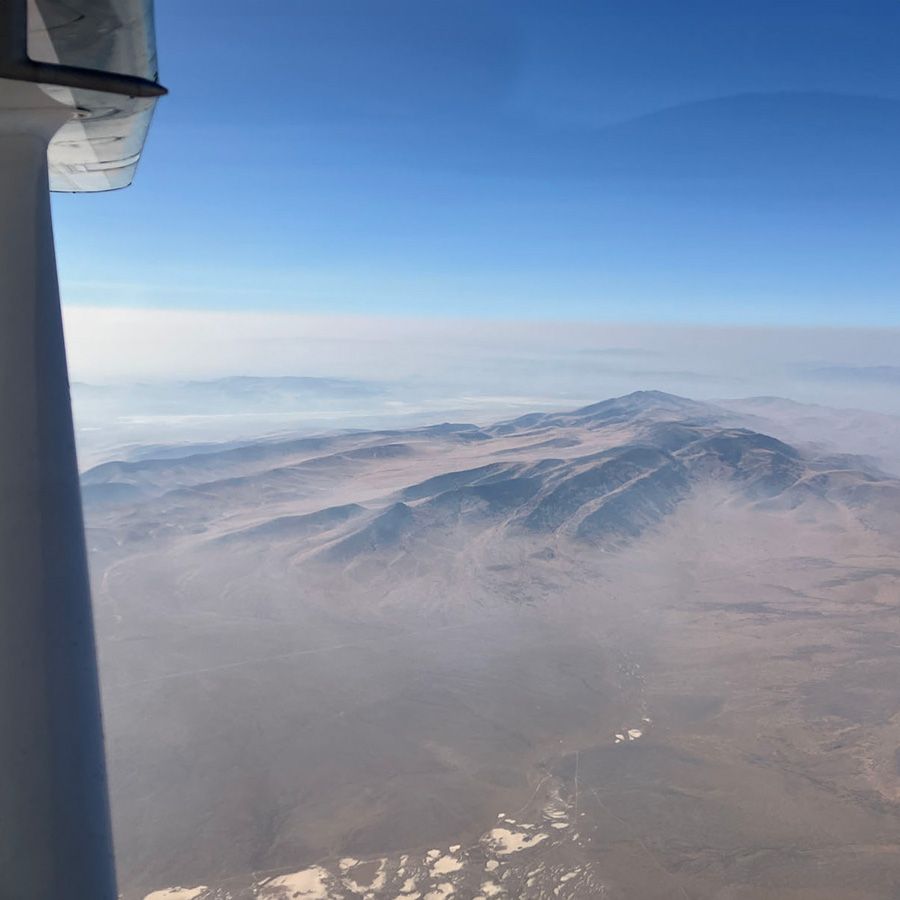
[
  {"x": 643, "y": 648},
  {"x": 602, "y": 473}
]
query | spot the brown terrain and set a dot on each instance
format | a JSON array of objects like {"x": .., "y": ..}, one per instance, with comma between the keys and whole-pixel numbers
[{"x": 638, "y": 650}]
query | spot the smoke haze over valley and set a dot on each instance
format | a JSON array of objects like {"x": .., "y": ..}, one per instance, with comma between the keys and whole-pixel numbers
[{"x": 642, "y": 648}]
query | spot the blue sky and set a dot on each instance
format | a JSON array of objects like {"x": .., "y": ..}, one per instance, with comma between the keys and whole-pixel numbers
[{"x": 720, "y": 162}]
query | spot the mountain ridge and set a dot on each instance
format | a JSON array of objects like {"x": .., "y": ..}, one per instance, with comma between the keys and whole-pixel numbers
[{"x": 618, "y": 468}]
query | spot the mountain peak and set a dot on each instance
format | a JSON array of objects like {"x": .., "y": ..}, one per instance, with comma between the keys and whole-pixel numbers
[{"x": 641, "y": 401}]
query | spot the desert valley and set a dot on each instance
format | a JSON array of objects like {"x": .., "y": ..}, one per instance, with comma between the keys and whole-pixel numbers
[{"x": 646, "y": 649}]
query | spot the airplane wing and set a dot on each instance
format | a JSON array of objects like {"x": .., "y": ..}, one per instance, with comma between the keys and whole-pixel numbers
[{"x": 99, "y": 150}]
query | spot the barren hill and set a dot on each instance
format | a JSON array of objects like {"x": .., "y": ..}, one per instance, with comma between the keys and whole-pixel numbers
[{"x": 640, "y": 648}]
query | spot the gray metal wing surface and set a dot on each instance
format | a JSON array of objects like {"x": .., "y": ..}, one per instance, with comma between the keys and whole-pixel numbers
[{"x": 99, "y": 149}]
